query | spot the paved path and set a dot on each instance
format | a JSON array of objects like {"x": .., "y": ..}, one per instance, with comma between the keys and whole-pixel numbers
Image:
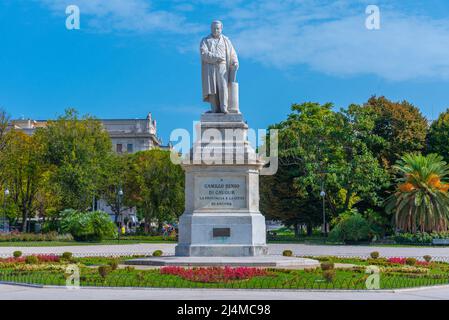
[
  {"x": 28, "y": 293},
  {"x": 298, "y": 249}
]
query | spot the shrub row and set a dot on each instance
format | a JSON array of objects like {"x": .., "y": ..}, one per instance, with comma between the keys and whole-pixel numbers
[
  {"x": 419, "y": 237},
  {"x": 51, "y": 236}
]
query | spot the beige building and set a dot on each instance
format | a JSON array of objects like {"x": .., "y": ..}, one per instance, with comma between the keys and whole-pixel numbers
[{"x": 127, "y": 135}]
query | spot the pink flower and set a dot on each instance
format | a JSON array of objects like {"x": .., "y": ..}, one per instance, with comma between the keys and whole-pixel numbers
[{"x": 213, "y": 274}]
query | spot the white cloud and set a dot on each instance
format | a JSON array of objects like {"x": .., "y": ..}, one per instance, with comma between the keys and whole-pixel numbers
[
  {"x": 328, "y": 36},
  {"x": 405, "y": 48},
  {"x": 333, "y": 39},
  {"x": 125, "y": 15}
]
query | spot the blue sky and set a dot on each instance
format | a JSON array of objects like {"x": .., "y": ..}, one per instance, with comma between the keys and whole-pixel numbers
[{"x": 131, "y": 57}]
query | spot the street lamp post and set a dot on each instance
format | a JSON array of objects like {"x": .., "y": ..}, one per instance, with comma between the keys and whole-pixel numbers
[
  {"x": 323, "y": 195},
  {"x": 4, "y": 209},
  {"x": 120, "y": 195}
]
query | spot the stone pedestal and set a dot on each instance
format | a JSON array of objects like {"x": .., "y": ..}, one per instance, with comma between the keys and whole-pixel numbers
[{"x": 222, "y": 217}]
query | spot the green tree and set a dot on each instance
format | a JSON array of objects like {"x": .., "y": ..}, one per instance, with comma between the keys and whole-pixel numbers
[
  {"x": 400, "y": 124},
  {"x": 438, "y": 137},
  {"x": 354, "y": 170},
  {"x": 113, "y": 177},
  {"x": 156, "y": 186},
  {"x": 78, "y": 150},
  {"x": 281, "y": 199},
  {"x": 4, "y": 120},
  {"x": 421, "y": 200},
  {"x": 320, "y": 148},
  {"x": 24, "y": 170}
]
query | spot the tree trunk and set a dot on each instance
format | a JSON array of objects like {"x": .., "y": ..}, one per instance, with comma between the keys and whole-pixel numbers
[
  {"x": 309, "y": 229},
  {"x": 296, "y": 226},
  {"x": 24, "y": 220}
]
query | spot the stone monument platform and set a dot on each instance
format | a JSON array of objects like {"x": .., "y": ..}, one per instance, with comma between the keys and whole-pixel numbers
[
  {"x": 258, "y": 261},
  {"x": 222, "y": 217}
]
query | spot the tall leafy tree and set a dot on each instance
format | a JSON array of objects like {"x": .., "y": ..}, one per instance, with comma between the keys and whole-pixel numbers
[
  {"x": 438, "y": 137},
  {"x": 112, "y": 179},
  {"x": 421, "y": 200},
  {"x": 77, "y": 148},
  {"x": 24, "y": 170},
  {"x": 322, "y": 148},
  {"x": 156, "y": 186},
  {"x": 4, "y": 120},
  {"x": 400, "y": 124},
  {"x": 281, "y": 199},
  {"x": 355, "y": 170}
]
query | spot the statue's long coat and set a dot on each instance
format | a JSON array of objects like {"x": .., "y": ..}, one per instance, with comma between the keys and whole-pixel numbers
[{"x": 208, "y": 66}]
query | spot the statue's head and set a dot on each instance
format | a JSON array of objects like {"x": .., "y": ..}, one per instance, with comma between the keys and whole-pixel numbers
[{"x": 216, "y": 28}]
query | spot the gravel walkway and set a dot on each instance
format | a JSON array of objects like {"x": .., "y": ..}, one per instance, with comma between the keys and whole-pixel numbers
[
  {"x": 8, "y": 292},
  {"x": 441, "y": 253}
]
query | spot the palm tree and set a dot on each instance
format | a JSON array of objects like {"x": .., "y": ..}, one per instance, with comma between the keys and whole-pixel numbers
[{"x": 421, "y": 200}]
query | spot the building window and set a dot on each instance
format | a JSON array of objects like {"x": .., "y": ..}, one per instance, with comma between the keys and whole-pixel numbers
[
  {"x": 119, "y": 148},
  {"x": 129, "y": 148}
]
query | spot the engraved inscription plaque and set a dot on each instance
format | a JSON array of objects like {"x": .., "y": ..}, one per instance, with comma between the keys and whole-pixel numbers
[
  {"x": 221, "y": 232},
  {"x": 221, "y": 193}
]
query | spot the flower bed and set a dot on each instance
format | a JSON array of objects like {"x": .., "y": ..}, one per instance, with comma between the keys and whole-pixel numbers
[
  {"x": 214, "y": 274},
  {"x": 396, "y": 260},
  {"x": 393, "y": 274},
  {"x": 44, "y": 258}
]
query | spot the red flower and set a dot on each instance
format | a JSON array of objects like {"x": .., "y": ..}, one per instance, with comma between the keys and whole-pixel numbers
[{"x": 213, "y": 274}]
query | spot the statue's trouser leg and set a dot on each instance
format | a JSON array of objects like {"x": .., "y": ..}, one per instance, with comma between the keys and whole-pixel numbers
[
  {"x": 215, "y": 103},
  {"x": 222, "y": 83}
]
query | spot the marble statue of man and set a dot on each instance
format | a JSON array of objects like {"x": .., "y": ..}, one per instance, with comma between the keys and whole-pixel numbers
[{"x": 219, "y": 64}]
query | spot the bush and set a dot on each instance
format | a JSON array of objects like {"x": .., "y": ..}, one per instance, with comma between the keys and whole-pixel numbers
[
  {"x": 104, "y": 271},
  {"x": 129, "y": 269},
  {"x": 287, "y": 253},
  {"x": 329, "y": 275},
  {"x": 157, "y": 253},
  {"x": 50, "y": 226},
  {"x": 427, "y": 258},
  {"x": 67, "y": 256},
  {"x": 353, "y": 227},
  {"x": 31, "y": 260},
  {"x": 378, "y": 261},
  {"x": 87, "y": 226},
  {"x": 113, "y": 264},
  {"x": 374, "y": 254},
  {"x": 327, "y": 266},
  {"x": 410, "y": 261},
  {"x": 17, "y": 254}
]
